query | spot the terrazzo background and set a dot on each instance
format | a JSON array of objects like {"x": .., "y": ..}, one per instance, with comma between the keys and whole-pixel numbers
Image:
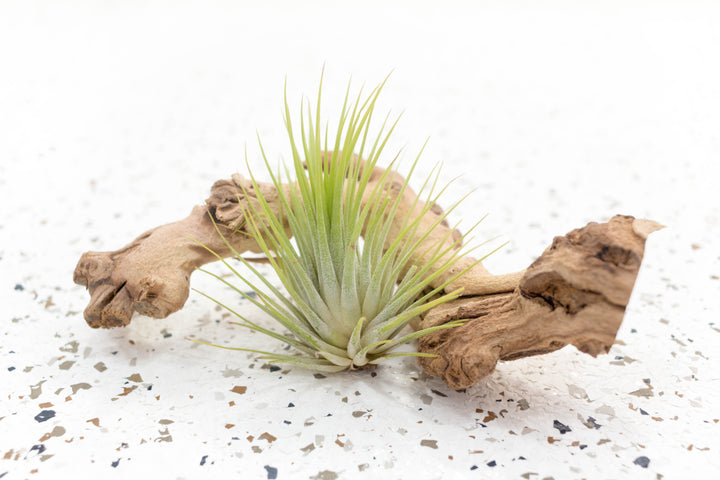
[{"x": 118, "y": 117}]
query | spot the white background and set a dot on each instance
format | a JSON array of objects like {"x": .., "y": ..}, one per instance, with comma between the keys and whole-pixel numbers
[{"x": 117, "y": 116}]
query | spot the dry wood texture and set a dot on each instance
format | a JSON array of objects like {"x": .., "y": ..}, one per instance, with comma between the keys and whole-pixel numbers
[{"x": 575, "y": 293}]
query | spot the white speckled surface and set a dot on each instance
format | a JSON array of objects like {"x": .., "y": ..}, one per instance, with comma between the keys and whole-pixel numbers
[{"x": 117, "y": 118}]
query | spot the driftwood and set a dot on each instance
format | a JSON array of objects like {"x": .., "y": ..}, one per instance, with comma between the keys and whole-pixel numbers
[{"x": 575, "y": 293}]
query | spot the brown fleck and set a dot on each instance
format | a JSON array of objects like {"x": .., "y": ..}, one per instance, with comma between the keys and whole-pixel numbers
[
  {"x": 308, "y": 448},
  {"x": 429, "y": 443},
  {"x": 49, "y": 303},
  {"x": 95, "y": 421},
  {"x": 552, "y": 440},
  {"x": 127, "y": 390},
  {"x": 229, "y": 425},
  {"x": 135, "y": 377},
  {"x": 268, "y": 437},
  {"x": 239, "y": 389},
  {"x": 490, "y": 417},
  {"x": 165, "y": 421},
  {"x": 338, "y": 442},
  {"x": 45, "y": 405},
  {"x": 100, "y": 367}
]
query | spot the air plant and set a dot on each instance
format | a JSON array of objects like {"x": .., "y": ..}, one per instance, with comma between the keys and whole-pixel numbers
[{"x": 348, "y": 296}]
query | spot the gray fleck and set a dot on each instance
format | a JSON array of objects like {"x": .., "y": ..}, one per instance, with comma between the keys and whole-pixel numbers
[
  {"x": 231, "y": 373},
  {"x": 66, "y": 365},
  {"x": 80, "y": 386},
  {"x": 70, "y": 347},
  {"x": 605, "y": 410},
  {"x": 577, "y": 392},
  {"x": 643, "y": 392},
  {"x": 36, "y": 390},
  {"x": 325, "y": 475}
]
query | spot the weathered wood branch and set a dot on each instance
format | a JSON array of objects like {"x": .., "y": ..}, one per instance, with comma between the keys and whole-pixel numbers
[{"x": 575, "y": 293}]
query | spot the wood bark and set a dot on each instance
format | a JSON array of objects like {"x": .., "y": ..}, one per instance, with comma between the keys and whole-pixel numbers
[{"x": 575, "y": 293}]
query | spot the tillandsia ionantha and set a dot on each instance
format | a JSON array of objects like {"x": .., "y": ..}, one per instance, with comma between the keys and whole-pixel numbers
[{"x": 349, "y": 296}]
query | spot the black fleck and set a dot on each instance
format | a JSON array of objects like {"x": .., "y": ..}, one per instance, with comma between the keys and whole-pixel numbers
[
  {"x": 167, "y": 335},
  {"x": 319, "y": 375},
  {"x": 10, "y": 369},
  {"x": 287, "y": 422},
  {"x": 19, "y": 287},
  {"x": 491, "y": 463},
  {"x": 438, "y": 393},
  {"x": 291, "y": 405},
  {"x": 274, "y": 368},
  {"x": 271, "y": 472},
  {"x": 583, "y": 447},
  {"x": 561, "y": 427},
  {"x": 115, "y": 463},
  {"x": 642, "y": 461},
  {"x": 521, "y": 458},
  {"x": 474, "y": 467},
  {"x": 39, "y": 447},
  {"x": 593, "y": 423},
  {"x": 643, "y": 412},
  {"x": 203, "y": 460},
  {"x": 44, "y": 415}
]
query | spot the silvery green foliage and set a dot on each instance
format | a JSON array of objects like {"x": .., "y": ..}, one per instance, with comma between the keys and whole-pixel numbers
[{"x": 348, "y": 297}]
